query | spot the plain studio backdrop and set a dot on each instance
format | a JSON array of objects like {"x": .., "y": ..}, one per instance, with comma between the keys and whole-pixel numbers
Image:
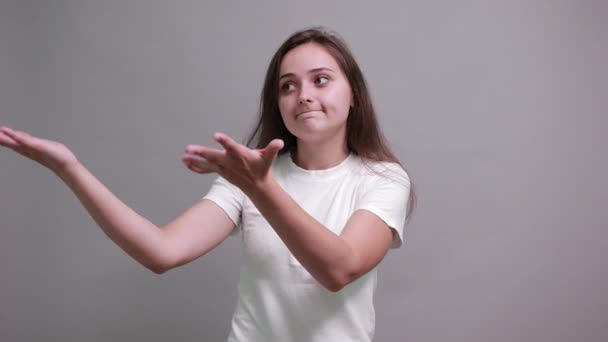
[{"x": 496, "y": 108}]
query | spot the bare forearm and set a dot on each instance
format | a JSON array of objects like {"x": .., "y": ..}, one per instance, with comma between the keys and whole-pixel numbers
[
  {"x": 323, "y": 253},
  {"x": 137, "y": 236}
]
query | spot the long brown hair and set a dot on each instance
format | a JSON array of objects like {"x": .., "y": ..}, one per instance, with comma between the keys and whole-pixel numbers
[{"x": 363, "y": 135}]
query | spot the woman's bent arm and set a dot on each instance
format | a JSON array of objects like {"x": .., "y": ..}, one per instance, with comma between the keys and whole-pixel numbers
[
  {"x": 191, "y": 235},
  {"x": 137, "y": 236}
]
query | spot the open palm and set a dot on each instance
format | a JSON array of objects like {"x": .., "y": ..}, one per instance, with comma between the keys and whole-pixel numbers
[
  {"x": 240, "y": 165},
  {"x": 50, "y": 154}
]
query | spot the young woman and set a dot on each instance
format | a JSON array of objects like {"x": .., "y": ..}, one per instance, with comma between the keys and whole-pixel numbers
[{"x": 316, "y": 194}]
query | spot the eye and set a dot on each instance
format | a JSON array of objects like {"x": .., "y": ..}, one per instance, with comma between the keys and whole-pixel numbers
[
  {"x": 321, "y": 79},
  {"x": 287, "y": 87}
]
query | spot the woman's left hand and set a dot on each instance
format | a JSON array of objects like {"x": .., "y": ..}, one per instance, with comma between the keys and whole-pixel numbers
[{"x": 246, "y": 168}]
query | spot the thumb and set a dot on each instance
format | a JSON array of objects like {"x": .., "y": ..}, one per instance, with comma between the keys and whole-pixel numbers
[{"x": 272, "y": 149}]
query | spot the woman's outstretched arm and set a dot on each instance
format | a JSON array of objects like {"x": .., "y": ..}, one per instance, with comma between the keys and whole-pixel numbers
[{"x": 192, "y": 234}]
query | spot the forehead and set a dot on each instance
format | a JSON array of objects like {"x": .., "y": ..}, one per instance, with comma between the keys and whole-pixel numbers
[{"x": 306, "y": 57}]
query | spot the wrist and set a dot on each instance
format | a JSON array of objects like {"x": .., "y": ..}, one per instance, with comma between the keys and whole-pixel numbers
[
  {"x": 262, "y": 188},
  {"x": 68, "y": 170}
]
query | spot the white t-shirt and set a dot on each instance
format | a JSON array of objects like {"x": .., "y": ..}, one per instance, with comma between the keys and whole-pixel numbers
[{"x": 278, "y": 300}]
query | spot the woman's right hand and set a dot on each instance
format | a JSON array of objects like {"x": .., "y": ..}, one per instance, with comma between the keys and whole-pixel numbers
[{"x": 51, "y": 154}]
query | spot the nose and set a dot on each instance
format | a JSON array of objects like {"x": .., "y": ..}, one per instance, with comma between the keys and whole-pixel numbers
[
  {"x": 305, "y": 96},
  {"x": 305, "y": 99}
]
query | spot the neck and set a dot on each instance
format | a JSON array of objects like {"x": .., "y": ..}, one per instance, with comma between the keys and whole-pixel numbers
[{"x": 320, "y": 155}]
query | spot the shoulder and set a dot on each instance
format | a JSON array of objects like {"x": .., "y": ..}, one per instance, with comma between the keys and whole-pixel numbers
[{"x": 382, "y": 171}]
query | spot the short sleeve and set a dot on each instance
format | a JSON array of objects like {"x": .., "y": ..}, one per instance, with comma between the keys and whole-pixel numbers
[
  {"x": 386, "y": 194},
  {"x": 228, "y": 197}
]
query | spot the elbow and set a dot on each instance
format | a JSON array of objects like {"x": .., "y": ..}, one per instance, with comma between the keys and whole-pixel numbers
[
  {"x": 337, "y": 282},
  {"x": 334, "y": 287},
  {"x": 162, "y": 262},
  {"x": 340, "y": 277},
  {"x": 158, "y": 267}
]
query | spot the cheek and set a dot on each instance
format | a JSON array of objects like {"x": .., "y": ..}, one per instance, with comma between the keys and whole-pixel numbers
[
  {"x": 339, "y": 99},
  {"x": 286, "y": 109},
  {"x": 283, "y": 106}
]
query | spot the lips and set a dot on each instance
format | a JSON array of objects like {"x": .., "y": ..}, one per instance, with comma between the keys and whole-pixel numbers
[{"x": 307, "y": 111}]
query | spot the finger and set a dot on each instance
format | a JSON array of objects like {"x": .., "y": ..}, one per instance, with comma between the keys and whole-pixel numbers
[
  {"x": 196, "y": 169},
  {"x": 14, "y": 140},
  {"x": 5, "y": 128},
  {"x": 227, "y": 142},
  {"x": 198, "y": 161},
  {"x": 19, "y": 136},
  {"x": 198, "y": 165},
  {"x": 8, "y": 132},
  {"x": 210, "y": 154},
  {"x": 6, "y": 140}
]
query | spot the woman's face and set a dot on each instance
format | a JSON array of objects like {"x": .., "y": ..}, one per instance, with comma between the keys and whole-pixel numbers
[{"x": 314, "y": 94}]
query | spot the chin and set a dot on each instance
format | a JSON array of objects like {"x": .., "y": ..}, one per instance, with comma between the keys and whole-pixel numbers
[{"x": 313, "y": 137}]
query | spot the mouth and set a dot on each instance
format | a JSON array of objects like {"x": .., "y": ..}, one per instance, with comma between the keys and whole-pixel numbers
[{"x": 308, "y": 111}]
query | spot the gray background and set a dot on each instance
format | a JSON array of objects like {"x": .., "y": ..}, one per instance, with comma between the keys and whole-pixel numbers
[{"x": 497, "y": 109}]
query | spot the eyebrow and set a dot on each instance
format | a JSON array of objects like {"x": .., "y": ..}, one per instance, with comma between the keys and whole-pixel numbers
[{"x": 309, "y": 72}]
